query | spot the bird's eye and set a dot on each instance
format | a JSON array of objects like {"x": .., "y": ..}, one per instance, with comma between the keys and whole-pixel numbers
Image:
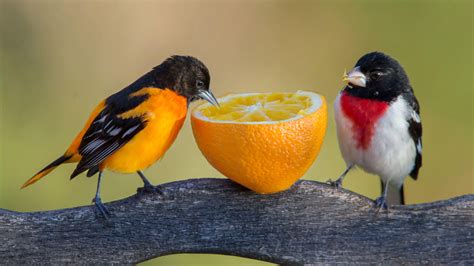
[
  {"x": 199, "y": 84},
  {"x": 375, "y": 75}
]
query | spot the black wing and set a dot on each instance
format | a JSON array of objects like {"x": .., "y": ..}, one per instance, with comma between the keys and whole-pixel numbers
[
  {"x": 108, "y": 133},
  {"x": 415, "y": 130}
]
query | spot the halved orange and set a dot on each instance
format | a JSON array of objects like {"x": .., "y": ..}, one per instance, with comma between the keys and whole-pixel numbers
[{"x": 263, "y": 141}]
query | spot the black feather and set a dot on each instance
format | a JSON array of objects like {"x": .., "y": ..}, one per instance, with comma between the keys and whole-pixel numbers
[
  {"x": 55, "y": 163},
  {"x": 415, "y": 129},
  {"x": 394, "y": 82},
  {"x": 93, "y": 171},
  {"x": 108, "y": 133}
]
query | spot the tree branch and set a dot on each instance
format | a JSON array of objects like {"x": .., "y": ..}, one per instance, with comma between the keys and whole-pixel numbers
[{"x": 310, "y": 223}]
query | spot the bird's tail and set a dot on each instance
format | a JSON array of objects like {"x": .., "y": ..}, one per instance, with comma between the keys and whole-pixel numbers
[
  {"x": 395, "y": 195},
  {"x": 48, "y": 169}
]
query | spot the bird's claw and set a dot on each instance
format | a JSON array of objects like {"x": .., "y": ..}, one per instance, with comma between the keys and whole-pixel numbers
[
  {"x": 381, "y": 203},
  {"x": 336, "y": 184},
  {"x": 101, "y": 207},
  {"x": 148, "y": 188}
]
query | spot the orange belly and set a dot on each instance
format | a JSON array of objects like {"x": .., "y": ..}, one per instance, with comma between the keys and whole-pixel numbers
[{"x": 165, "y": 112}]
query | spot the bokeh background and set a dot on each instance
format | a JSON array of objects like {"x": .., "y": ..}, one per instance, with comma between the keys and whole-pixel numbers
[{"x": 59, "y": 58}]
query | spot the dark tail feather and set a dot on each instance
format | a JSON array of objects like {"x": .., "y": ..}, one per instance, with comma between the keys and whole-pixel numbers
[
  {"x": 46, "y": 170},
  {"x": 94, "y": 170},
  {"x": 395, "y": 196},
  {"x": 77, "y": 172},
  {"x": 90, "y": 171}
]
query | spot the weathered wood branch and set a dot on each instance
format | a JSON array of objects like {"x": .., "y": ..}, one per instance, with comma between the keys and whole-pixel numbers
[{"x": 310, "y": 223}]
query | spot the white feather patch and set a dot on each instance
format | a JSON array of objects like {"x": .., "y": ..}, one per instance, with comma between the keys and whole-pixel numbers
[{"x": 391, "y": 152}]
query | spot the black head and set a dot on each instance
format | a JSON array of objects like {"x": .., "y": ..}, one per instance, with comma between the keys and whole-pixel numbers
[
  {"x": 187, "y": 76},
  {"x": 377, "y": 75}
]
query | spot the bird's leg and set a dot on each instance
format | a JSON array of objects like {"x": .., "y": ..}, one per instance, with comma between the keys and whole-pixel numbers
[
  {"x": 98, "y": 202},
  {"x": 147, "y": 186},
  {"x": 338, "y": 183},
  {"x": 381, "y": 202}
]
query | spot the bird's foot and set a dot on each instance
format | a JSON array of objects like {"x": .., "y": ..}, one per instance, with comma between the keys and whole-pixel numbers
[
  {"x": 149, "y": 188},
  {"x": 101, "y": 207},
  {"x": 336, "y": 184},
  {"x": 381, "y": 203}
]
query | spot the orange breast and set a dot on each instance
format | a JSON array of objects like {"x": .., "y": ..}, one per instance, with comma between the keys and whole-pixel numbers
[{"x": 165, "y": 112}]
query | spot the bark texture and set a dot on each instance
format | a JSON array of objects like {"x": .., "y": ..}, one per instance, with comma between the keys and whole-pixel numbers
[{"x": 310, "y": 223}]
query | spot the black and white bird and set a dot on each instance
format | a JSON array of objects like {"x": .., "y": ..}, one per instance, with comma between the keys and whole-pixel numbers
[{"x": 378, "y": 125}]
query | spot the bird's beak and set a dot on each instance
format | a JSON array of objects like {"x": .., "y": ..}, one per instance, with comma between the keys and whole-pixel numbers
[
  {"x": 208, "y": 96},
  {"x": 355, "y": 77}
]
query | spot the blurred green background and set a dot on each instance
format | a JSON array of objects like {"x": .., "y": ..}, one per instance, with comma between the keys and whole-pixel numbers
[{"x": 60, "y": 58}]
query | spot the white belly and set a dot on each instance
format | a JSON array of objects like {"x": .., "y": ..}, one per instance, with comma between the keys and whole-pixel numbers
[{"x": 391, "y": 152}]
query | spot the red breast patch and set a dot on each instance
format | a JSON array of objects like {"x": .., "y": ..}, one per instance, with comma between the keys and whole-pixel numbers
[{"x": 363, "y": 113}]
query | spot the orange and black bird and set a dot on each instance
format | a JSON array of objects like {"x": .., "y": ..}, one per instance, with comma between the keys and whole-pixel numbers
[{"x": 130, "y": 130}]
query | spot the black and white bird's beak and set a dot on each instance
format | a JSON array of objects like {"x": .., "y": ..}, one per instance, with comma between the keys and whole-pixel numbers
[
  {"x": 208, "y": 96},
  {"x": 355, "y": 77}
]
